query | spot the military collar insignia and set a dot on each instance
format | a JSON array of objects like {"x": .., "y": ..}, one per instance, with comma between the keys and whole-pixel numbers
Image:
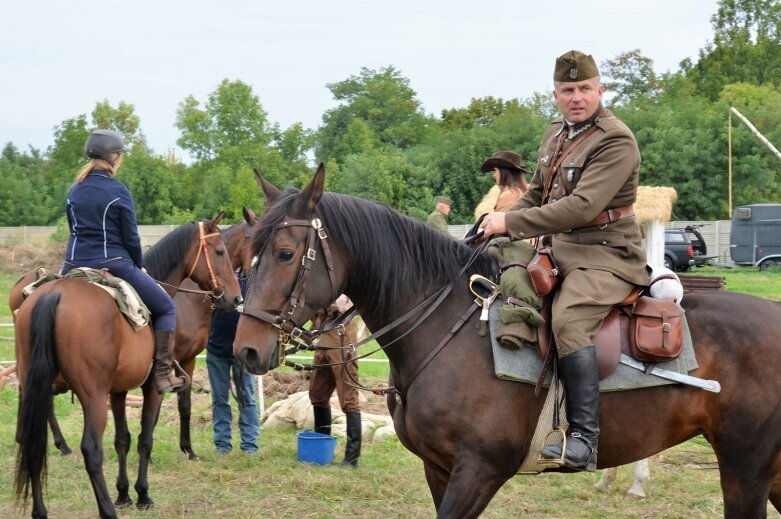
[{"x": 577, "y": 130}]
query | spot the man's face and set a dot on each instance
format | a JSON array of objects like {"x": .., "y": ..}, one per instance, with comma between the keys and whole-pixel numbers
[
  {"x": 578, "y": 100},
  {"x": 443, "y": 208}
]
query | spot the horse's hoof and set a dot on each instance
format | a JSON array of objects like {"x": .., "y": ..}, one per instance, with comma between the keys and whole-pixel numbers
[
  {"x": 123, "y": 502},
  {"x": 145, "y": 505}
]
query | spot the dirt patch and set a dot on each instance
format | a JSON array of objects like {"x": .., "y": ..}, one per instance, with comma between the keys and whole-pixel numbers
[{"x": 26, "y": 257}]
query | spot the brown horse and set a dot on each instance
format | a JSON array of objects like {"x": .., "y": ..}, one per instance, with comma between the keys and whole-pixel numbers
[
  {"x": 471, "y": 429},
  {"x": 193, "y": 321},
  {"x": 70, "y": 333}
]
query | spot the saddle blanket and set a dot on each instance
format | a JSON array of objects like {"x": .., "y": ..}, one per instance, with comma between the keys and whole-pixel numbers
[
  {"x": 525, "y": 365},
  {"x": 128, "y": 300}
]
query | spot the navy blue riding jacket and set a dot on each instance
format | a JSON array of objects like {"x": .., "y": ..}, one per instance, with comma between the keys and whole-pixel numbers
[{"x": 102, "y": 220}]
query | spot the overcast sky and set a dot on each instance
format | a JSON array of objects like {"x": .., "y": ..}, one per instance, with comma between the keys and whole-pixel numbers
[{"x": 58, "y": 58}]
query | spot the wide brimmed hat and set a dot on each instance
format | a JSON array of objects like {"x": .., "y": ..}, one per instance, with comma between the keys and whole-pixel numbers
[{"x": 505, "y": 159}]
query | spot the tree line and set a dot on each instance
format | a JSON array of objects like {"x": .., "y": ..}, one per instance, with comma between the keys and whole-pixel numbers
[{"x": 378, "y": 142}]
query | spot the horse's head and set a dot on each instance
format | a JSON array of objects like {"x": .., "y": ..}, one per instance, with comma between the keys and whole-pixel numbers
[
  {"x": 211, "y": 268},
  {"x": 296, "y": 272}
]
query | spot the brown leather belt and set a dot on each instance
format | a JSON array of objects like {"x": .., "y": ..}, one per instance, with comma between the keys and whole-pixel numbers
[{"x": 612, "y": 215}]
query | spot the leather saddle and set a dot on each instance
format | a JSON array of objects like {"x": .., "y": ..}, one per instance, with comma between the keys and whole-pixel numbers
[{"x": 612, "y": 339}]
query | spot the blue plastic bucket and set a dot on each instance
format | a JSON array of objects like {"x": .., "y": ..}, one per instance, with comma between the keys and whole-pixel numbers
[{"x": 316, "y": 448}]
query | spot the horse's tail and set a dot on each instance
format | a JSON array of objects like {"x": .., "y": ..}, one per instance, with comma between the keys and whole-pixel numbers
[{"x": 36, "y": 397}]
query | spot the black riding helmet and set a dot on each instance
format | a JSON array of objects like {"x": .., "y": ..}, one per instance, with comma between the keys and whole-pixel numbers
[{"x": 102, "y": 143}]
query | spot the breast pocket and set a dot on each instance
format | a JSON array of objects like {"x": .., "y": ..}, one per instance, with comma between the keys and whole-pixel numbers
[{"x": 571, "y": 171}]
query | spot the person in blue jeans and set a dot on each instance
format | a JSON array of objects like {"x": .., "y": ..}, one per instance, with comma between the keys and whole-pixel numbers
[{"x": 224, "y": 367}]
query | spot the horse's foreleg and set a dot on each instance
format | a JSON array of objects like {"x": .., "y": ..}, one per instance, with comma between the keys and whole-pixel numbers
[
  {"x": 122, "y": 446},
  {"x": 149, "y": 414},
  {"x": 92, "y": 449},
  {"x": 185, "y": 406},
  {"x": 59, "y": 439},
  {"x": 471, "y": 487}
]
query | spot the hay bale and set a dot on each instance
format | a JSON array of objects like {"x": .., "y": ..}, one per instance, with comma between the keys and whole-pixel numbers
[{"x": 654, "y": 204}]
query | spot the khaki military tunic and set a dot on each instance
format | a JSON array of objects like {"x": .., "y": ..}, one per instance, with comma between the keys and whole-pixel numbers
[
  {"x": 437, "y": 221},
  {"x": 600, "y": 173}
]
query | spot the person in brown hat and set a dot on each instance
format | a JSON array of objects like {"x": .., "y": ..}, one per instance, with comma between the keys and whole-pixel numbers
[
  {"x": 580, "y": 200},
  {"x": 508, "y": 173},
  {"x": 438, "y": 218}
]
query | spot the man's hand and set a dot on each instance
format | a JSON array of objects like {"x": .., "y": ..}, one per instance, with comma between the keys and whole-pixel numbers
[{"x": 494, "y": 224}]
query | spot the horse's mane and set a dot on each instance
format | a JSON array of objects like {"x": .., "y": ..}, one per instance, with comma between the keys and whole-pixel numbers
[
  {"x": 167, "y": 254},
  {"x": 392, "y": 258}
]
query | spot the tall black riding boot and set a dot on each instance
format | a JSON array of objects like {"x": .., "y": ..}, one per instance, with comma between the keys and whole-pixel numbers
[
  {"x": 322, "y": 419},
  {"x": 578, "y": 372},
  {"x": 352, "y": 451},
  {"x": 164, "y": 364}
]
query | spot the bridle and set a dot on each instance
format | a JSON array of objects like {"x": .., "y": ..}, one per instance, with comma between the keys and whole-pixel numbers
[
  {"x": 217, "y": 292},
  {"x": 290, "y": 333},
  {"x": 282, "y": 319}
]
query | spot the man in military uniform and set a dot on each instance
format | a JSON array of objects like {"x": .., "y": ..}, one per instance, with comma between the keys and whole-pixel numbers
[
  {"x": 438, "y": 219},
  {"x": 581, "y": 198}
]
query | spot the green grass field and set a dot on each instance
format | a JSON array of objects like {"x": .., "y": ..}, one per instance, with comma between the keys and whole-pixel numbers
[{"x": 389, "y": 482}]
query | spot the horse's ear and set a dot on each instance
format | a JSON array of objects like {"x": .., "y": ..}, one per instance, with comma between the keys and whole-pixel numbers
[
  {"x": 269, "y": 189},
  {"x": 312, "y": 193},
  {"x": 249, "y": 215},
  {"x": 212, "y": 224}
]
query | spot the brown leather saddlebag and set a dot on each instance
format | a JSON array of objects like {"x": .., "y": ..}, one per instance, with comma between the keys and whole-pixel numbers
[
  {"x": 657, "y": 329},
  {"x": 543, "y": 273}
]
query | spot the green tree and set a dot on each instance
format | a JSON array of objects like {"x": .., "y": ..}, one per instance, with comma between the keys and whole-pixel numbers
[
  {"x": 232, "y": 120},
  {"x": 630, "y": 76},
  {"x": 746, "y": 47},
  {"x": 480, "y": 112},
  {"x": 384, "y": 102},
  {"x": 122, "y": 119}
]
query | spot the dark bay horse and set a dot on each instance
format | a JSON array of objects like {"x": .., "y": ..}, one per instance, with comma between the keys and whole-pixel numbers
[
  {"x": 70, "y": 333},
  {"x": 471, "y": 429}
]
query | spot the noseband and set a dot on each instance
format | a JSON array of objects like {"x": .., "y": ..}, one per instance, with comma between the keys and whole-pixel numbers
[{"x": 289, "y": 332}]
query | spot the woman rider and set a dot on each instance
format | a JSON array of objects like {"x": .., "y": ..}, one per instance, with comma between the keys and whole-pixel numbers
[{"x": 104, "y": 235}]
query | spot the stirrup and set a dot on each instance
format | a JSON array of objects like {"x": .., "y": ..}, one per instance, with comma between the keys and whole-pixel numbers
[
  {"x": 554, "y": 462},
  {"x": 180, "y": 372}
]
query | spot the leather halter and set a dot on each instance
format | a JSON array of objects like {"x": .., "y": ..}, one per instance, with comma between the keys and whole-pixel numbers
[{"x": 282, "y": 319}]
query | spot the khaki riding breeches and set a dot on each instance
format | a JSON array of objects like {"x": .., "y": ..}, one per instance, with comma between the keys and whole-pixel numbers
[
  {"x": 581, "y": 304},
  {"x": 325, "y": 380}
]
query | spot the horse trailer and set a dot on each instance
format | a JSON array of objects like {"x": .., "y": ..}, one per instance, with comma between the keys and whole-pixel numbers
[{"x": 755, "y": 238}]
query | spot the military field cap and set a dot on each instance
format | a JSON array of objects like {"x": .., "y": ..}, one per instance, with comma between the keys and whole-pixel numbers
[
  {"x": 575, "y": 66},
  {"x": 505, "y": 159},
  {"x": 444, "y": 200}
]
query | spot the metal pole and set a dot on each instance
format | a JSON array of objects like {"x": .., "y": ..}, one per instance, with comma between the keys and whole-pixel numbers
[{"x": 729, "y": 164}]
